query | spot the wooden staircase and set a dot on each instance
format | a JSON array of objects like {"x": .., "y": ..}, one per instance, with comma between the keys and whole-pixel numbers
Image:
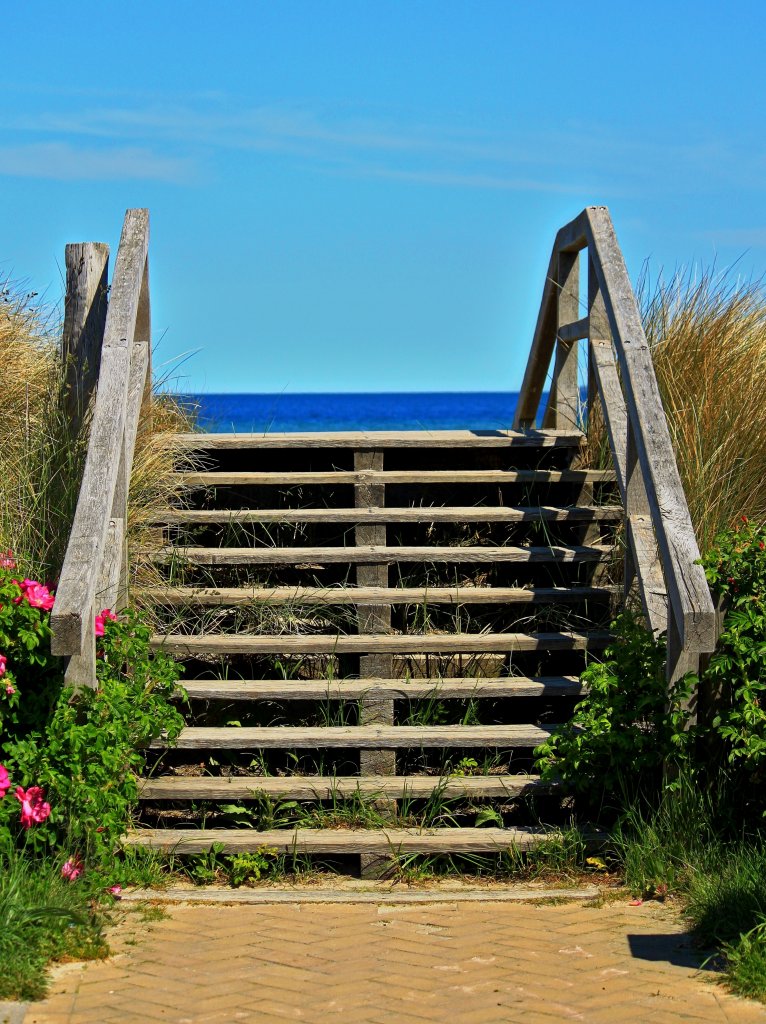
[
  {"x": 378, "y": 628},
  {"x": 385, "y": 617}
]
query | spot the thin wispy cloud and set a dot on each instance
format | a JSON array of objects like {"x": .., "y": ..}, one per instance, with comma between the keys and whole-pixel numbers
[
  {"x": 170, "y": 141},
  {"x": 63, "y": 161}
]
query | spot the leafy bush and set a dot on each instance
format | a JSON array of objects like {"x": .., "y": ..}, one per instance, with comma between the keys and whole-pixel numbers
[
  {"x": 736, "y": 571},
  {"x": 76, "y": 752},
  {"x": 625, "y": 729}
]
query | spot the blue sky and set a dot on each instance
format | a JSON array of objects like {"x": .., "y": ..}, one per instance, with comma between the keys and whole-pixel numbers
[{"x": 355, "y": 195}]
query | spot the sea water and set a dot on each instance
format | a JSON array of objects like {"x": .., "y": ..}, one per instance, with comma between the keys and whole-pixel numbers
[{"x": 429, "y": 410}]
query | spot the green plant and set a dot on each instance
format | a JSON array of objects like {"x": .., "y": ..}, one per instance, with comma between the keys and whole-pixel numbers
[
  {"x": 85, "y": 751},
  {"x": 250, "y": 867},
  {"x": 42, "y": 917},
  {"x": 626, "y": 727},
  {"x": 736, "y": 674}
]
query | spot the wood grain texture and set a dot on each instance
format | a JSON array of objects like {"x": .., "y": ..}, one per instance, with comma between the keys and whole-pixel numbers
[
  {"x": 238, "y": 643},
  {"x": 297, "y": 787},
  {"x": 414, "y": 514},
  {"x": 71, "y": 616},
  {"x": 380, "y": 439},
  {"x": 357, "y": 737},
  {"x": 423, "y": 478},
  {"x": 687, "y": 587},
  {"x": 231, "y": 596},
  {"x": 386, "y": 843},
  {"x": 460, "y": 688},
  {"x": 564, "y": 398},
  {"x": 387, "y": 555},
  {"x": 85, "y": 306},
  {"x": 576, "y": 330}
]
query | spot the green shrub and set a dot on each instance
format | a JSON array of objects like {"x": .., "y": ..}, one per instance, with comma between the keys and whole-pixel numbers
[
  {"x": 736, "y": 571},
  {"x": 624, "y": 729}
]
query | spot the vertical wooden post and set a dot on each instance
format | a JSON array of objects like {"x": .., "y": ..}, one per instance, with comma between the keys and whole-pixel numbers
[
  {"x": 564, "y": 401},
  {"x": 144, "y": 333},
  {"x": 374, "y": 709},
  {"x": 85, "y": 304}
]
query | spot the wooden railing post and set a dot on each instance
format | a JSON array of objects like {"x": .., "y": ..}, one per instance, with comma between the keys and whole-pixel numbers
[
  {"x": 85, "y": 305},
  {"x": 94, "y": 572},
  {"x": 564, "y": 399}
]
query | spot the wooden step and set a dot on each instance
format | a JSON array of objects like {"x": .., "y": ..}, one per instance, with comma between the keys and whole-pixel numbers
[
  {"x": 460, "y": 688},
  {"x": 382, "y": 842},
  {"x": 420, "y": 477},
  {"x": 231, "y": 596},
  {"x": 356, "y": 737},
  {"x": 298, "y": 787},
  {"x": 412, "y": 514},
  {"x": 412, "y": 643},
  {"x": 379, "y": 439},
  {"x": 382, "y": 554}
]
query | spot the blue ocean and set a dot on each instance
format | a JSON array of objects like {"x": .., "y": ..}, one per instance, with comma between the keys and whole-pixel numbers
[{"x": 430, "y": 410}]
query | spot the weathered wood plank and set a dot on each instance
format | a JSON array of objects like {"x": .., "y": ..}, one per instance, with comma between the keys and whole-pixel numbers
[
  {"x": 412, "y": 514},
  {"x": 449, "y": 688},
  {"x": 380, "y": 439},
  {"x": 385, "y": 843},
  {"x": 357, "y": 737},
  {"x": 642, "y": 545},
  {"x": 371, "y": 555},
  {"x": 423, "y": 478},
  {"x": 230, "y": 596},
  {"x": 685, "y": 580},
  {"x": 85, "y": 305},
  {"x": 564, "y": 398},
  {"x": 576, "y": 330},
  {"x": 71, "y": 616},
  {"x": 110, "y": 586},
  {"x": 298, "y": 787},
  {"x": 413, "y": 643}
]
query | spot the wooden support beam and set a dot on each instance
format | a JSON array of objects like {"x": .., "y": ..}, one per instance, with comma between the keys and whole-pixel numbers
[{"x": 85, "y": 306}]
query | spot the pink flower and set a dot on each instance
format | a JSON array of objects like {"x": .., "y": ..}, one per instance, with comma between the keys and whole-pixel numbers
[
  {"x": 115, "y": 890},
  {"x": 33, "y": 806},
  {"x": 39, "y": 596},
  {"x": 5, "y": 781},
  {"x": 10, "y": 690},
  {"x": 102, "y": 618},
  {"x": 36, "y": 594},
  {"x": 72, "y": 869},
  {"x": 7, "y": 561},
  {"x": 3, "y": 663}
]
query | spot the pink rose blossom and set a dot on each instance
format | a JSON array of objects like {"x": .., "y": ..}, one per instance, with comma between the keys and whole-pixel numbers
[
  {"x": 3, "y": 663},
  {"x": 116, "y": 891},
  {"x": 5, "y": 781},
  {"x": 101, "y": 620},
  {"x": 72, "y": 869},
  {"x": 33, "y": 806},
  {"x": 7, "y": 561},
  {"x": 10, "y": 690},
  {"x": 36, "y": 594}
]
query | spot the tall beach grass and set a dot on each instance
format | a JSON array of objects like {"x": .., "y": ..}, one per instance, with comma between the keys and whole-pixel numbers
[{"x": 707, "y": 332}]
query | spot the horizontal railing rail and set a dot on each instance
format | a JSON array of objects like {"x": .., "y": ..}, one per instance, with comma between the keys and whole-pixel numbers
[
  {"x": 106, "y": 346},
  {"x": 662, "y": 553}
]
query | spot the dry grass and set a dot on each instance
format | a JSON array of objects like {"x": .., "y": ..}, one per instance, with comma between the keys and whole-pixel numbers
[
  {"x": 41, "y": 456},
  {"x": 708, "y": 339}
]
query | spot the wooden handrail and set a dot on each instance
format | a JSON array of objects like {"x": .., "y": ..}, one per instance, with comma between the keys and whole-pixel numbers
[
  {"x": 94, "y": 573},
  {"x": 662, "y": 548}
]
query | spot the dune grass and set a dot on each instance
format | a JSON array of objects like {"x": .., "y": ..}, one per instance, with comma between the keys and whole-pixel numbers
[
  {"x": 42, "y": 454},
  {"x": 708, "y": 339}
]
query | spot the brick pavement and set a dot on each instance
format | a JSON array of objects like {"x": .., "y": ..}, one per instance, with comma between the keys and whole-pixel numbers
[{"x": 466, "y": 963}]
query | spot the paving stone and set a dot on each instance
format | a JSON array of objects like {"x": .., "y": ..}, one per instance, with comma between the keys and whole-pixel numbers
[{"x": 462, "y": 962}]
